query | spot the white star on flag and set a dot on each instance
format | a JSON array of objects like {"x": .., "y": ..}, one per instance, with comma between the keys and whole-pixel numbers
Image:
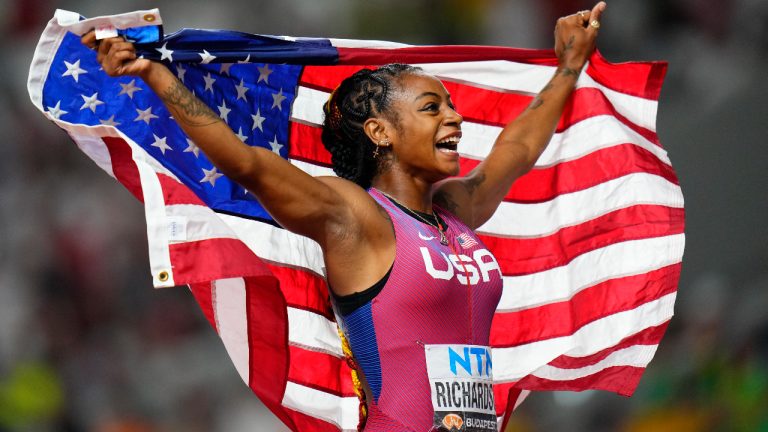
[
  {"x": 225, "y": 68},
  {"x": 56, "y": 111},
  {"x": 91, "y": 102},
  {"x": 210, "y": 176},
  {"x": 110, "y": 121},
  {"x": 165, "y": 53},
  {"x": 247, "y": 59},
  {"x": 257, "y": 120},
  {"x": 180, "y": 71},
  {"x": 276, "y": 146},
  {"x": 241, "y": 89},
  {"x": 209, "y": 80},
  {"x": 129, "y": 88},
  {"x": 223, "y": 110},
  {"x": 74, "y": 70},
  {"x": 145, "y": 115},
  {"x": 161, "y": 144},
  {"x": 240, "y": 134},
  {"x": 206, "y": 57},
  {"x": 277, "y": 100},
  {"x": 192, "y": 148},
  {"x": 264, "y": 72}
]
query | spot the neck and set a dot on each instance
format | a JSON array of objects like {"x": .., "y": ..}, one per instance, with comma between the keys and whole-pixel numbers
[{"x": 414, "y": 194}]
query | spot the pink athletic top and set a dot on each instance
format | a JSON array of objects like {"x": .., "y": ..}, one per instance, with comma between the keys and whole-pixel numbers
[{"x": 435, "y": 294}]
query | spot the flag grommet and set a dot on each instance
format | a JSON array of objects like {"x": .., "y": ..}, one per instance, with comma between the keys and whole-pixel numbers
[
  {"x": 163, "y": 276},
  {"x": 149, "y": 18}
]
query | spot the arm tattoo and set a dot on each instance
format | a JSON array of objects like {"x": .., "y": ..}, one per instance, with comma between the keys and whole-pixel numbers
[
  {"x": 444, "y": 200},
  {"x": 569, "y": 72},
  {"x": 538, "y": 101},
  {"x": 569, "y": 45},
  {"x": 195, "y": 112}
]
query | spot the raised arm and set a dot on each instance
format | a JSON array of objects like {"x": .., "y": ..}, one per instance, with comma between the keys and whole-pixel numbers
[
  {"x": 298, "y": 201},
  {"x": 475, "y": 197}
]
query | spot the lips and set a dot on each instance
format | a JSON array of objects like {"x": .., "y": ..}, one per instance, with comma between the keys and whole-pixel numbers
[{"x": 449, "y": 144}]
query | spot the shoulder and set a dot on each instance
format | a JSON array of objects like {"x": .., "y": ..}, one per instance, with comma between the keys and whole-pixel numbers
[{"x": 364, "y": 207}]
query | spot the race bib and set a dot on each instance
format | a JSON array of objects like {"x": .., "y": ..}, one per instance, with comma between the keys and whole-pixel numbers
[{"x": 461, "y": 382}]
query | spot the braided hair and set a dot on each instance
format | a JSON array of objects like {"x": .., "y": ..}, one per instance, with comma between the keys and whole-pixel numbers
[{"x": 361, "y": 96}]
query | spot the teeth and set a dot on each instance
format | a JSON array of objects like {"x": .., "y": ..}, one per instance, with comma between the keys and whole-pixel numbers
[{"x": 454, "y": 140}]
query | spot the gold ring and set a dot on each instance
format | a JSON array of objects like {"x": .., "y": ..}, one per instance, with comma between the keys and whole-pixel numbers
[{"x": 595, "y": 24}]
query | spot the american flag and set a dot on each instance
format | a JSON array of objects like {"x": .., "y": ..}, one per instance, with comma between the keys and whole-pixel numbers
[
  {"x": 590, "y": 241},
  {"x": 466, "y": 241}
]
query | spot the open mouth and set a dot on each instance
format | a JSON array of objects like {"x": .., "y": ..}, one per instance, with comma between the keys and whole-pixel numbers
[{"x": 448, "y": 145}]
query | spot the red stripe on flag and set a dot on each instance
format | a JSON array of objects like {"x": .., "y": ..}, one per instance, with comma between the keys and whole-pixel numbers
[
  {"x": 619, "y": 379},
  {"x": 202, "y": 293},
  {"x": 175, "y": 192},
  {"x": 444, "y": 54},
  {"x": 123, "y": 166},
  {"x": 591, "y": 102},
  {"x": 520, "y": 256},
  {"x": 303, "y": 290},
  {"x": 211, "y": 259},
  {"x": 649, "y": 336},
  {"x": 320, "y": 371},
  {"x": 267, "y": 327},
  {"x": 305, "y": 145},
  {"x": 544, "y": 184},
  {"x": 643, "y": 79},
  {"x": 564, "y": 318},
  {"x": 327, "y": 78}
]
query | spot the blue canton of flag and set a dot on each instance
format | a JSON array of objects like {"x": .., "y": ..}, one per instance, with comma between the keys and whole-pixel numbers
[{"x": 254, "y": 102}]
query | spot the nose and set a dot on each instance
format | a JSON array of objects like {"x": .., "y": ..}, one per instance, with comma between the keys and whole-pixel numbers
[{"x": 453, "y": 117}]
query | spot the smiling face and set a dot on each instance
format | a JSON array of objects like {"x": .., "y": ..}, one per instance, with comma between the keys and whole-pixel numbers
[{"x": 423, "y": 127}]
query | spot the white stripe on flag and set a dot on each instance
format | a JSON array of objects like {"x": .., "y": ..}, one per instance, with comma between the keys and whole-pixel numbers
[
  {"x": 545, "y": 218},
  {"x": 341, "y": 411},
  {"x": 636, "y": 356},
  {"x": 514, "y": 363},
  {"x": 229, "y": 307},
  {"x": 202, "y": 222},
  {"x": 277, "y": 245},
  {"x": 627, "y": 258},
  {"x": 313, "y": 331}
]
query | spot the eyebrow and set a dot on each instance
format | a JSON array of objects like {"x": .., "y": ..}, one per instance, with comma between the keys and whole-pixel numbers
[{"x": 425, "y": 94}]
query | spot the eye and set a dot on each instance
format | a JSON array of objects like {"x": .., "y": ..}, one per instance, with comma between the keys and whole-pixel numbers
[{"x": 431, "y": 106}]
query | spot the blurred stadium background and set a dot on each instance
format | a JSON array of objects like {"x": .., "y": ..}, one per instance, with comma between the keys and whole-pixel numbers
[{"x": 86, "y": 344}]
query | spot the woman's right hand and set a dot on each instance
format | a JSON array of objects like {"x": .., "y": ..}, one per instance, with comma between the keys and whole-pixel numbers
[
  {"x": 575, "y": 37},
  {"x": 117, "y": 56}
]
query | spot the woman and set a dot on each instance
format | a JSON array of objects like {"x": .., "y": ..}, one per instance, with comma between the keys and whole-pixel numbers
[{"x": 414, "y": 287}]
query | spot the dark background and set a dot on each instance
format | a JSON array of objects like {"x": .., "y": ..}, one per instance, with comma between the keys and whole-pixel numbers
[{"x": 86, "y": 344}]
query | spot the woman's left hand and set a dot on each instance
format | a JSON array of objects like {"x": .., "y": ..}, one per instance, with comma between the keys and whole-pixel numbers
[{"x": 575, "y": 37}]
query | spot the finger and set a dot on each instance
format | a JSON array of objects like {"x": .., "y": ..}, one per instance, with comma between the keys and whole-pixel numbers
[
  {"x": 582, "y": 17},
  {"x": 596, "y": 14},
  {"x": 120, "y": 46},
  {"x": 118, "y": 58},
  {"x": 89, "y": 39},
  {"x": 123, "y": 65}
]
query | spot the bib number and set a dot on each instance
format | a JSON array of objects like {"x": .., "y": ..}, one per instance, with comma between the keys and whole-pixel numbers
[{"x": 461, "y": 383}]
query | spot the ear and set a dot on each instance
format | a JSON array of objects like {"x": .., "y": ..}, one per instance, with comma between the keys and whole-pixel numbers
[{"x": 377, "y": 129}]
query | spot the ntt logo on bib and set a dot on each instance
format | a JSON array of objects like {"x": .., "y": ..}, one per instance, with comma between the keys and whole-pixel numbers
[{"x": 480, "y": 355}]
